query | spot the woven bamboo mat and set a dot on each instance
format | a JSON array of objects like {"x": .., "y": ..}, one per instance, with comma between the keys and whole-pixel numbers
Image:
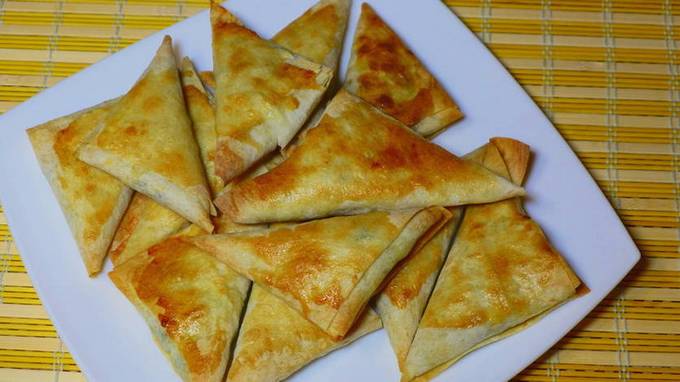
[{"x": 606, "y": 72}]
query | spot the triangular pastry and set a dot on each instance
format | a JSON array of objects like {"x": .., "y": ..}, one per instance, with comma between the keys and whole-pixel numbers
[
  {"x": 202, "y": 113},
  {"x": 358, "y": 159},
  {"x": 146, "y": 222},
  {"x": 92, "y": 200},
  {"x": 191, "y": 302},
  {"x": 318, "y": 33},
  {"x": 500, "y": 273},
  {"x": 264, "y": 93},
  {"x": 275, "y": 341},
  {"x": 402, "y": 302},
  {"x": 325, "y": 269},
  {"x": 146, "y": 141},
  {"x": 384, "y": 72}
]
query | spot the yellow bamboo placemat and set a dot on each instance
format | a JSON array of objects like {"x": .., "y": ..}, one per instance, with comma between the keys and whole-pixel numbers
[{"x": 606, "y": 72}]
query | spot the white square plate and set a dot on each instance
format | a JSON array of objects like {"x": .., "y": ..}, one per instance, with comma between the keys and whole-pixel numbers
[{"x": 110, "y": 341}]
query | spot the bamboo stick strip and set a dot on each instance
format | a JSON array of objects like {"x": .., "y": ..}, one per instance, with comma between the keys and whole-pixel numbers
[
  {"x": 648, "y": 204},
  {"x": 588, "y": 66},
  {"x": 599, "y": 93},
  {"x": 40, "y": 375},
  {"x": 12, "y": 310},
  {"x": 638, "y": 121},
  {"x": 31, "y": 343},
  {"x": 626, "y": 148},
  {"x": 562, "y": 15}
]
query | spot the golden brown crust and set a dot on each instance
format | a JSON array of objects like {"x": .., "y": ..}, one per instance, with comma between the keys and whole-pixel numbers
[
  {"x": 191, "y": 302},
  {"x": 264, "y": 94},
  {"x": 325, "y": 269},
  {"x": 380, "y": 164},
  {"x": 384, "y": 72},
  {"x": 92, "y": 200},
  {"x": 146, "y": 141},
  {"x": 275, "y": 340}
]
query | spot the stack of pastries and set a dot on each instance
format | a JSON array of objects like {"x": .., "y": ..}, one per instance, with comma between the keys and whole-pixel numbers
[{"x": 335, "y": 213}]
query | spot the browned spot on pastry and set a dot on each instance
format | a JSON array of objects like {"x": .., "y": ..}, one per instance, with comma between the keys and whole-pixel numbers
[
  {"x": 297, "y": 77},
  {"x": 414, "y": 110},
  {"x": 132, "y": 131},
  {"x": 227, "y": 162},
  {"x": 402, "y": 295},
  {"x": 332, "y": 297},
  {"x": 208, "y": 78},
  {"x": 65, "y": 141},
  {"x": 195, "y": 96},
  {"x": 174, "y": 166},
  {"x": 286, "y": 178},
  {"x": 240, "y": 61},
  {"x": 65, "y": 144},
  {"x": 152, "y": 104}
]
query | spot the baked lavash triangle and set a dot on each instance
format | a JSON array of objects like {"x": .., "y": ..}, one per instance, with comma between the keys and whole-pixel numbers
[
  {"x": 318, "y": 33},
  {"x": 358, "y": 159},
  {"x": 92, "y": 201},
  {"x": 501, "y": 273},
  {"x": 200, "y": 104},
  {"x": 191, "y": 302},
  {"x": 201, "y": 108},
  {"x": 275, "y": 341},
  {"x": 264, "y": 93},
  {"x": 147, "y": 142},
  {"x": 326, "y": 269},
  {"x": 146, "y": 222},
  {"x": 403, "y": 300},
  {"x": 384, "y": 72}
]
